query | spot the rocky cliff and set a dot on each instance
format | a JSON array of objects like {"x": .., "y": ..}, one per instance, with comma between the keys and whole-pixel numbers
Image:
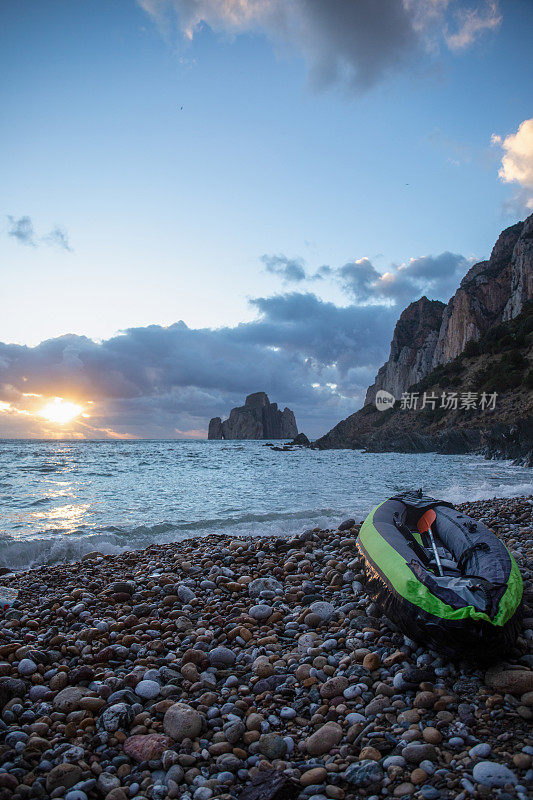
[
  {"x": 429, "y": 334},
  {"x": 491, "y": 292},
  {"x": 481, "y": 342},
  {"x": 258, "y": 418},
  {"x": 412, "y": 348},
  {"x": 498, "y": 366}
]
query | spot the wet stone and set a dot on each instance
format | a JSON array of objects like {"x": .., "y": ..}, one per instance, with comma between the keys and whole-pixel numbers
[
  {"x": 273, "y": 672},
  {"x": 364, "y": 774}
]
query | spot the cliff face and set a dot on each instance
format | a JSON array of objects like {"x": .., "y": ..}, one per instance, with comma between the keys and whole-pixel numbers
[
  {"x": 429, "y": 334},
  {"x": 412, "y": 348},
  {"x": 486, "y": 295},
  {"x": 493, "y": 308},
  {"x": 522, "y": 273},
  {"x": 258, "y": 418},
  {"x": 501, "y": 362}
]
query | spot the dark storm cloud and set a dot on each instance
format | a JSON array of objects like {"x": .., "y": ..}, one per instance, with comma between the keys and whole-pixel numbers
[
  {"x": 350, "y": 336},
  {"x": 297, "y": 338},
  {"x": 341, "y": 40},
  {"x": 355, "y": 43},
  {"x": 314, "y": 356},
  {"x": 23, "y": 231}
]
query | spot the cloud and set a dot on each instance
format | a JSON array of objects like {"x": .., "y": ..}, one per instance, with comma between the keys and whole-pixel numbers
[
  {"x": 435, "y": 276},
  {"x": 289, "y": 269},
  {"x": 329, "y": 336},
  {"x": 293, "y": 270},
  {"x": 360, "y": 279},
  {"x": 312, "y": 355},
  {"x": 22, "y": 229},
  {"x": 472, "y": 22},
  {"x": 58, "y": 237},
  {"x": 348, "y": 42},
  {"x": 517, "y": 162}
]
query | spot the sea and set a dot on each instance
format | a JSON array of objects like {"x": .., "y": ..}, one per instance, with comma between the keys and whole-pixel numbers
[{"x": 61, "y": 499}]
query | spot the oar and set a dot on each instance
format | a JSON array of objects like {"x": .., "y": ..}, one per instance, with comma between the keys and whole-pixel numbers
[{"x": 424, "y": 526}]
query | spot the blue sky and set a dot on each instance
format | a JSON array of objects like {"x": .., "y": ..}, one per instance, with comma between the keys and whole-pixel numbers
[{"x": 167, "y": 212}]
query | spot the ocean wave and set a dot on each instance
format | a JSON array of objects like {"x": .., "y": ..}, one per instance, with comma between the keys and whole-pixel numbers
[
  {"x": 117, "y": 497},
  {"x": 22, "y": 553},
  {"x": 25, "y": 553},
  {"x": 486, "y": 491}
]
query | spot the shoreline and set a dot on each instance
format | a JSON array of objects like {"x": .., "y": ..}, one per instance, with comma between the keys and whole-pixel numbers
[
  {"x": 57, "y": 548},
  {"x": 285, "y": 674}
]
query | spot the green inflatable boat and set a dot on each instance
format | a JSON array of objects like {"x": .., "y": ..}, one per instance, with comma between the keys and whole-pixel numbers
[{"x": 454, "y": 586}]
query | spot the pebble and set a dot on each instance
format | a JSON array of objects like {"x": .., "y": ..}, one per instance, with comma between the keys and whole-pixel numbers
[
  {"x": 185, "y": 594},
  {"x": 189, "y": 669},
  {"x": 26, "y": 667},
  {"x": 148, "y": 747},
  {"x": 222, "y": 657},
  {"x": 272, "y": 746},
  {"x": 148, "y": 690},
  {"x": 513, "y": 681},
  {"x": 260, "y": 585},
  {"x": 323, "y": 610},
  {"x": 313, "y": 776},
  {"x": 63, "y": 776},
  {"x": 323, "y": 739},
  {"x": 366, "y": 773},
  {"x": 490, "y": 774},
  {"x": 182, "y": 722},
  {"x": 116, "y": 716},
  {"x": 260, "y": 612},
  {"x": 481, "y": 750}
]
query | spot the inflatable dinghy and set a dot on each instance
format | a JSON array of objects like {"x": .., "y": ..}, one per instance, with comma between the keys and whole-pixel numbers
[{"x": 451, "y": 584}]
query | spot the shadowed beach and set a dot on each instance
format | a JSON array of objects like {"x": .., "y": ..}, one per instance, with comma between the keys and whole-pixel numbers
[{"x": 223, "y": 667}]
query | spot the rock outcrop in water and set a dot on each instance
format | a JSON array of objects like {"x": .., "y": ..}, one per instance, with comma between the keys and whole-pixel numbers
[{"x": 258, "y": 418}]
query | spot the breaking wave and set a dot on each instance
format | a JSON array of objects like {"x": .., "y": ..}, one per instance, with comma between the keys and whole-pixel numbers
[{"x": 143, "y": 493}]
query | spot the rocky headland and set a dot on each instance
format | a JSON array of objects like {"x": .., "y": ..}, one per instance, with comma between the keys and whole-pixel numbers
[
  {"x": 480, "y": 342},
  {"x": 251, "y": 668},
  {"x": 258, "y": 418}
]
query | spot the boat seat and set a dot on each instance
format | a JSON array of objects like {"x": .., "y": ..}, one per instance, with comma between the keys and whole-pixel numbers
[
  {"x": 448, "y": 563},
  {"x": 449, "y": 566}
]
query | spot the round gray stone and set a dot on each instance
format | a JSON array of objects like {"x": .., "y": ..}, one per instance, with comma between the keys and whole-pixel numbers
[{"x": 491, "y": 774}]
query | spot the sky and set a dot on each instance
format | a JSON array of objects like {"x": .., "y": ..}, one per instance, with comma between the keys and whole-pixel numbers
[{"x": 206, "y": 198}]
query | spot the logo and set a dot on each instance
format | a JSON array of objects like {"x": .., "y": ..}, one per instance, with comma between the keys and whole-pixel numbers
[{"x": 384, "y": 400}]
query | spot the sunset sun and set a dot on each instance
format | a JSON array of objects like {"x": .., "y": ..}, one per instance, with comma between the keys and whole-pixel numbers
[{"x": 60, "y": 411}]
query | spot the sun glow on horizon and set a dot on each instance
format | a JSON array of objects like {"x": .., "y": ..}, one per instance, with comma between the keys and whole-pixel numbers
[{"x": 60, "y": 411}]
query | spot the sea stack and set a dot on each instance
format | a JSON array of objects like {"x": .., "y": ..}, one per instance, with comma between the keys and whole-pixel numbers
[{"x": 258, "y": 418}]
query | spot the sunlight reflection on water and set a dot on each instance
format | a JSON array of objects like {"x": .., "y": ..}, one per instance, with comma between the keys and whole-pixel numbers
[{"x": 60, "y": 499}]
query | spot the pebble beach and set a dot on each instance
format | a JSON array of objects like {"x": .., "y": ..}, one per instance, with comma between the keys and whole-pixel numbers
[{"x": 224, "y": 667}]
